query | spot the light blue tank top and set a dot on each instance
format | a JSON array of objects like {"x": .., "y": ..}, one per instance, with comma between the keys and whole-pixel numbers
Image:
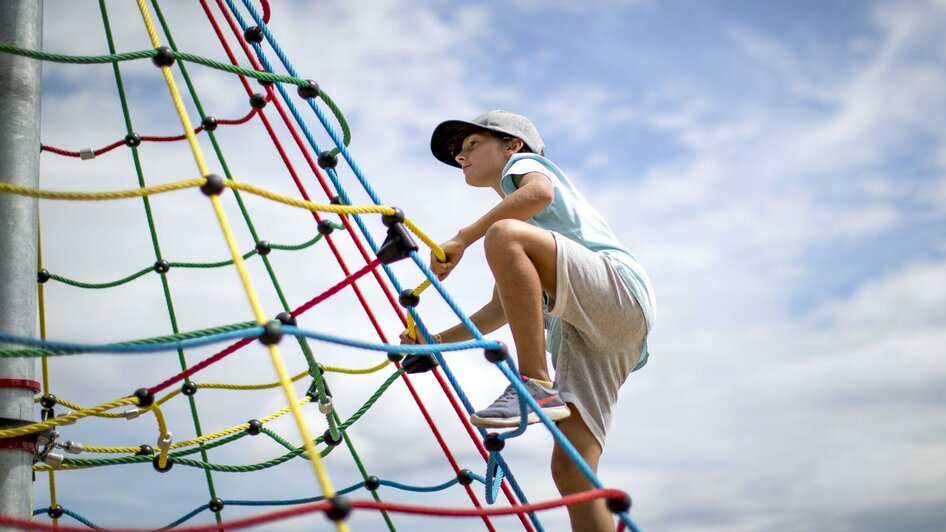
[{"x": 572, "y": 216}]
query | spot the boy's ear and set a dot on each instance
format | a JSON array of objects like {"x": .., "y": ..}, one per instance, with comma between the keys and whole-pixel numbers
[{"x": 514, "y": 144}]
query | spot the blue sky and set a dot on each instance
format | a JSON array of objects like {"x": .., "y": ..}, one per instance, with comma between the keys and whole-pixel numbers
[{"x": 777, "y": 167}]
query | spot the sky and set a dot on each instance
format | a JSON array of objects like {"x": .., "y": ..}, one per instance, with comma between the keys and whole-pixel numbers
[{"x": 778, "y": 168}]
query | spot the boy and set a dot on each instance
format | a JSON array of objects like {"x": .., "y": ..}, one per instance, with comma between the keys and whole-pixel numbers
[{"x": 557, "y": 266}]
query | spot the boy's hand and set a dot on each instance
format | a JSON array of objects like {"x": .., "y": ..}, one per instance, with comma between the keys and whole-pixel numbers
[
  {"x": 407, "y": 340},
  {"x": 453, "y": 250}
]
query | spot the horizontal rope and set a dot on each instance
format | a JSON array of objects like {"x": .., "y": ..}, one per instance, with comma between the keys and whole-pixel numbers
[
  {"x": 194, "y": 265},
  {"x": 322, "y": 506},
  {"x": 67, "y": 348},
  {"x": 144, "y": 54}
]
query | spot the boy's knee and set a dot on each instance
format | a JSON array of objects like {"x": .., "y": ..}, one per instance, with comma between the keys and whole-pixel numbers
[
  {"x": 568, "y": 478},
  {"x": 502, "y": 235}
]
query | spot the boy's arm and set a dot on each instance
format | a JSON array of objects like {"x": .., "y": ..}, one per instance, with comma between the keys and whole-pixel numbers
[
  {"x": 534, "y": 194},
  {"x": 487, "y": 319}
]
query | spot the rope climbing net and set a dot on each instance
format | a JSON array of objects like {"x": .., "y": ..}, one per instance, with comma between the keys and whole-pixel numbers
[{"x": 339, "y": 229}]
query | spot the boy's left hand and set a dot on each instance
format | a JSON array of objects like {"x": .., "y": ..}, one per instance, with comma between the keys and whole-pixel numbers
[{"x": 453, "y": 250}]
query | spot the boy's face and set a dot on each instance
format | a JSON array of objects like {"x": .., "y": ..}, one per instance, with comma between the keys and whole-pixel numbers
[{"x": 482, "y": 157}]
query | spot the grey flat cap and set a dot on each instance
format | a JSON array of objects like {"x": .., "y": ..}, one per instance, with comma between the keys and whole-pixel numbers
[{"x": 504, "y": 123}]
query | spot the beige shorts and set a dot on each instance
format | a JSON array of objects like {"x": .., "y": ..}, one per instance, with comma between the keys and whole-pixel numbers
[{"x": 603, "y": 332}]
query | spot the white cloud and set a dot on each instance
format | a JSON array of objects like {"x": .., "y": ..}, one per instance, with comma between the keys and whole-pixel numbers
[{"x": 748, "y": 411}]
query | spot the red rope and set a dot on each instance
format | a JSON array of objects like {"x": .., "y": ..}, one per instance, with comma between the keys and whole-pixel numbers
[
  {"x": 151, "y": 138},
  {"x": 265, "y": 4},
  {"x": 247, "y": 522},
  {"x": 303, "y": 147},
  {"x": 345, "y": 220},
  {"x": 246, "y": 341}
]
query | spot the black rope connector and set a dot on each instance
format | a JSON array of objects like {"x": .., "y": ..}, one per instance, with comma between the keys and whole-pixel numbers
[
  {"x": 272, "y": 333},
  {"x": 493, "y": 443},
  {"x": 372, "y": 483},
  {"x": 156, "y": 464},
  {"x": 338, "y": 508},
  {"x": 132, "y": 140},
  {"x": 465, "y": 477},
  {"x": 145, "y": 397},
  {"x": 309, "y": 90},
  {"x": 263, "y": 248},
  {"x": 209, "y": 123},
  {"x": 327, "y": 160},
  {"x": 42, "y": 276},
  {"x": 325, "y": 227},
  {"x": 395, "y": 357},
  {"x": 48, "y": 401},
  {"x": 396, "y": 217},
  {"x": 264, "y": 82},
  {"x": 215, "y": 505},
  {"x": 313, "y": 391},
  {"x": 47, "y": 414},
  {"x": 619, "y": 504},
  {"x": 162, "y": 266},
  {"x": 257, "y": 101},
  {"x": 407, "y": 298},
  {"x": 164, "y": 57},
  {"x": 213, "y": 186},
  {"x": 419, "y": 363},
  {"x": 286, "y": 318},
  {"x": 255, "y": 426},
  {"x": 327, "y": 438},
  {"x": 253, "y": 34},
  {"x": 55, "y": 512},
  {"x": 336, "y": 200},
  {"x": 188, "y": 388},
  {"x": 145, "y": 450},
  {"x": 497, "y": 355},
  {"x": 397, "y": 245}
]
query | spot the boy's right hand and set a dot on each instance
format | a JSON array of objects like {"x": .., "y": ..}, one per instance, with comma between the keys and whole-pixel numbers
[
  {"x": 453, "y": 250},
  {"x": 407, "y": 340}
]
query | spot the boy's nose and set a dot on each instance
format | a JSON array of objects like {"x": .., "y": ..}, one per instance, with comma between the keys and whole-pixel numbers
[{"x": 459, "y": 159}]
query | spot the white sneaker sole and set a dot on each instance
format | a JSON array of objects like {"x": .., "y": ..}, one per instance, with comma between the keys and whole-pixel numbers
[{"x": 555, "y": 414}]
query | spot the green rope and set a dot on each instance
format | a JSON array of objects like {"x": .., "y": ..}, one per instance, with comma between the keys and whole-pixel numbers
[
  {"x": 115, "y": 58},
  {"x": 36, "y": 352},
  {"x": 157, "y": 248},
  {"x": 303, "y": 343},
  {"x": 294, "y": 452},
  {"x": 364, "y": 474},
  {"x": 206, "y": 265}
]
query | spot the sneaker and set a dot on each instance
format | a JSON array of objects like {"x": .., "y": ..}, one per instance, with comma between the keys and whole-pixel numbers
[{"x": 504, "y": 412}]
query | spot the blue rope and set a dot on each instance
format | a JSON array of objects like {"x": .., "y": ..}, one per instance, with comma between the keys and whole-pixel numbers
[
  {"x": 557, "y": 435},
  {"x": 494, "y": 478},
  {"x": 68, "y": 348},
  {"x": 418, "y": 349},
  {"x": 418, "y": 489},
  {"x": 343, "y": 195},
  {"x": 290, "y": 502},
  {"x": 187, "y": 517}
]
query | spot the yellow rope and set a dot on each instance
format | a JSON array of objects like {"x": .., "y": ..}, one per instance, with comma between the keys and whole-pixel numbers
[
  {"x": 65, "y": 420},
  {"x": 317, "y": 467},
  {"x": 354, "y": 371},
  {"x": 100, "y": 196},
  {"x": 194, "y": 441},
  {"x": 41, "y": 294}
]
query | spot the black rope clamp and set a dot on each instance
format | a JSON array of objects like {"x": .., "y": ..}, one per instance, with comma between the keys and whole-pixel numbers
[
  {"x": 419, "y": 363},
  {"x": 397, "y": 245}
]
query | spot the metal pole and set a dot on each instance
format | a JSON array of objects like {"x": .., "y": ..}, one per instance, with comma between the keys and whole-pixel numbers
[{"x": 21, "y": 24}]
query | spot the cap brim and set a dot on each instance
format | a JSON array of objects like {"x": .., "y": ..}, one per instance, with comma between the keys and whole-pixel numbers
[{"x": 445, "y": 133}]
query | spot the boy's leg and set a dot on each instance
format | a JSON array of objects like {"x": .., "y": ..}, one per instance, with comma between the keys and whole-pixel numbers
[
  {"x": 523, "y": 261},
  {"x": 591, "y": 516}
]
